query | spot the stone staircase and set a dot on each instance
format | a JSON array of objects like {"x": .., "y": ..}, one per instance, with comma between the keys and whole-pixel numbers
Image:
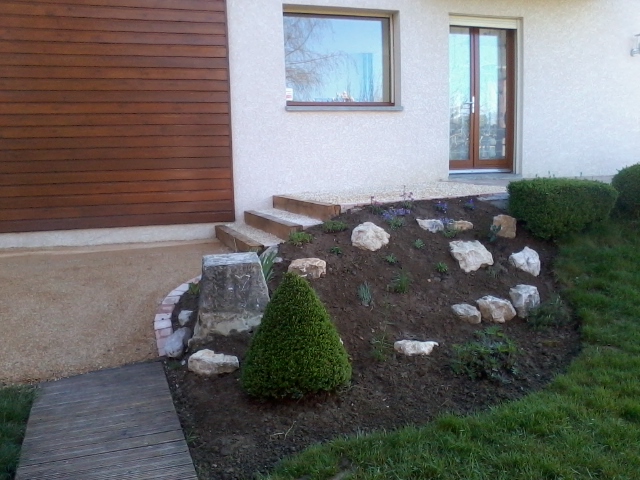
[{"x": 263, "y": 228}]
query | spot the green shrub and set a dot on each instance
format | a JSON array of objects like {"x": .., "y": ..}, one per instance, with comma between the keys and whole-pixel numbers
[
  {"x": 627, "y": 183},
  {"x": 491, "y": 356},
  {"x": 334, "y": 226},
  {"x": 296, "y": 349},
  {"x": 553, "y": 207},
  {"x": 300, "y": 238}
]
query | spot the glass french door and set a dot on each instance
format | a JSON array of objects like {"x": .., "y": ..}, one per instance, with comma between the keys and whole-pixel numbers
[{"x": 481, "y": 98}]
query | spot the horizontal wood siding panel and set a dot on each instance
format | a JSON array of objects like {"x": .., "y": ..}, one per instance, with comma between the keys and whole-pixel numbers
[
  {"x": 106, "y": 188},
  {"x": 114, "y": 113}
]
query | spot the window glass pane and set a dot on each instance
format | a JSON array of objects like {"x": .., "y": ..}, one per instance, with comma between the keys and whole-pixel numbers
[{"x": 334, "y": 59}]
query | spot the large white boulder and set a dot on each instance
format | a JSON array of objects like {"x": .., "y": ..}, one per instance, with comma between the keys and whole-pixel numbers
[
  {"x": 495, "y": 309},
  {"x": 527, "y": 260},
  {"x": 524, "y": 298},
  {"x": 507, "y": 226},
  {"x": 369, "y": 236},
  {"x": 207, "y": 362},
  {"x": 467, "y": 313},
  {"x": 470, "y": 255},
  {"x": 431, "y": 225},
  {"x": 413, "y": 347},
  {"x": 176, "y": 342},
  {"x": 308, "y": 267}
]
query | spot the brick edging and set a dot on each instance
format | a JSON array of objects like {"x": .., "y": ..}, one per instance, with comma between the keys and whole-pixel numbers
[{"x": 162, "y": 320}]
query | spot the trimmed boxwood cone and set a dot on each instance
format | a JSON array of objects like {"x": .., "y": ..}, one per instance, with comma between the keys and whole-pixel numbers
[{"x": 296, "y": 349}]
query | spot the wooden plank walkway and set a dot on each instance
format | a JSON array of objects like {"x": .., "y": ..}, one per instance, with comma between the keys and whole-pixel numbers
[{"x": 117, "y": 423}]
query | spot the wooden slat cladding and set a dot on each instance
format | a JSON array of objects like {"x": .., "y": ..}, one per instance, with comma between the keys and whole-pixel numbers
[{"x": 114, "y": 113}]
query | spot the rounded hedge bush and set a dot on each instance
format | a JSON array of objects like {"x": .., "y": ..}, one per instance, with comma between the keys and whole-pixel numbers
[
  {"x": 296, "y": 349},
  {"x": 553, "y": 207},
  {"x": 627, "y": 183}
]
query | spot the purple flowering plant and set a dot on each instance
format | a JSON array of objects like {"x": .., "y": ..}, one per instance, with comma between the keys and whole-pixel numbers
[{"x": 441, "y": 206}]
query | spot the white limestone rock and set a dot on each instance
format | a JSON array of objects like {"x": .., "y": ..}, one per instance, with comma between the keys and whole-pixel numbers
[
  {"x": 208, "y": 363},
  {"x": 461, "y": 226},
  {"x": 507, "y": 226},
  {"x": 432, "y": 225},
  {"x": 470, "y": 255},
  {"x": 176, "y": 342},
  {"x": 369, "y": 236},
  {"x": 184, "y": 316},
  {"x": 413, "y": 347},
  {"x": 524, "y": 298},
  {"x": 496, "y": 309},
  {"x": 527, "y": 260},
  {"x": 467, "y": 313},
  {"x": 308, "y": 267}
]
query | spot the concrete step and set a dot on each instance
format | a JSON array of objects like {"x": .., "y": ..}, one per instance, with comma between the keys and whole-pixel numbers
[
  {"x": 278, "y": 222},
  {"x": 241, "y": 237},
  {"x": 309, "y": 208}
]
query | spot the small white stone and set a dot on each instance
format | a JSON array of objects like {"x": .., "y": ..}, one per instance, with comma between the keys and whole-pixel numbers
[
  {"x": 369, "y": 236},
  {"x": 308, "y": 267},
  {"x": 467, "y": 313},
  {"x": 413, "y": 347},
  {"x": 527, "y": 260},
  {"x": 184, "y": 316},
  {"x": 524, "y": 298},
  {"x": 496, "y": 309},
  {"x": 470, "y": 255},
  {"x": 208, "y": 363},
  {"x": 174, "y": 346},
  {"x": 432, "y": 225}
]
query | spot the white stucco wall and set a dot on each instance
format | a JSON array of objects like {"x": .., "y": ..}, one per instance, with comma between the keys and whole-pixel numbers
[{"x": 580, "y": 98}]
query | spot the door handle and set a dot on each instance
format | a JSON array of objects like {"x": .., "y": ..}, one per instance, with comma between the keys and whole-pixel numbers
[{"x": 472, "y": 103}]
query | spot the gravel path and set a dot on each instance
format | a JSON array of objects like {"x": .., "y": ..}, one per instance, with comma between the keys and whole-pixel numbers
[{"x": 69, "y": 312}]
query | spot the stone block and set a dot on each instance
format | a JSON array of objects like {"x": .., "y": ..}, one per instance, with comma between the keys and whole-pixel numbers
[{"x": 233, "y": 295}]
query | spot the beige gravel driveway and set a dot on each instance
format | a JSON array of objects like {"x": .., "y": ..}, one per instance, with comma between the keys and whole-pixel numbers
[{"x": 65, "y": 312}]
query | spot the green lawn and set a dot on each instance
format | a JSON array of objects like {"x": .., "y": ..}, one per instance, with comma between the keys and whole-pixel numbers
[
  {"x": 585, "y": 425},
  {"x": 15, "y": 404}
]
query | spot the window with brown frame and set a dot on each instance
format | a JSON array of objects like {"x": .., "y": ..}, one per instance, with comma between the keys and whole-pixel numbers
[{"x": 337, "y": 60}]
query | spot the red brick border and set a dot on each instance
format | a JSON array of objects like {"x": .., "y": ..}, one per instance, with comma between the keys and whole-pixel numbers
[{"x": 162, "y": 319}]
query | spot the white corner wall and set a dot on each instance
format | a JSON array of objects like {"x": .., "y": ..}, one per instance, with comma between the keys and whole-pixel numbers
[{"x": 579, "y": 98}]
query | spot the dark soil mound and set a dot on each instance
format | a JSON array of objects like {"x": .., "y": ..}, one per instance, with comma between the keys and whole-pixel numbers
[{"x": 232, "y": 436}]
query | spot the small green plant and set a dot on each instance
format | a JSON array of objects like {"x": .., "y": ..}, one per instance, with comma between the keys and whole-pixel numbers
[
  {"x": 400, "y": 283},
  {"x": 391, "y": 259},
  {"x": 495, "y": 270},
  {"x": 469, "y": 205},
  {"x": 407, "y": 199},
  {"x": 336, "y": 250},
  {"x": 449, "y": 231},
  {"x": 494, "y": 230},
  {"x": 365, "y": 294},
  {"x": 194, "y": 289},
  {"x": 442, "y": 267},
  {"x": 396, "y": 223},
  {"x": 267, "y": 259},
  {"x": 381, "y": 345},
  {"x": 300, "y": 238},
  {"x": 492, "y": 355},
  {"x": 419, "y": 244},
  {"x": 441, "y": 207},
  {"x": 375, "y": 207},
  {"x": 296, "y": 349},
  {"x": 553, "y": 312},
  {"x": 334, "y": 226}
]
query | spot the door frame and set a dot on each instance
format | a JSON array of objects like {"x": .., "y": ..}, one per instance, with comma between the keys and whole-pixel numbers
[{"x": 504, "y": 23}]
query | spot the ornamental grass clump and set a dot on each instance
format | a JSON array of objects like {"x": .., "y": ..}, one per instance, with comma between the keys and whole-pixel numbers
[
  {"x": 296, "y": 350},
  {"x": 627, "y": 183},
  {"x": 554, "y": 207}
]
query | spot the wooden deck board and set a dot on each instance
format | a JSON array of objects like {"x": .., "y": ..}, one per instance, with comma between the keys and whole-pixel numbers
[{"x": 117, "y": 423}]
